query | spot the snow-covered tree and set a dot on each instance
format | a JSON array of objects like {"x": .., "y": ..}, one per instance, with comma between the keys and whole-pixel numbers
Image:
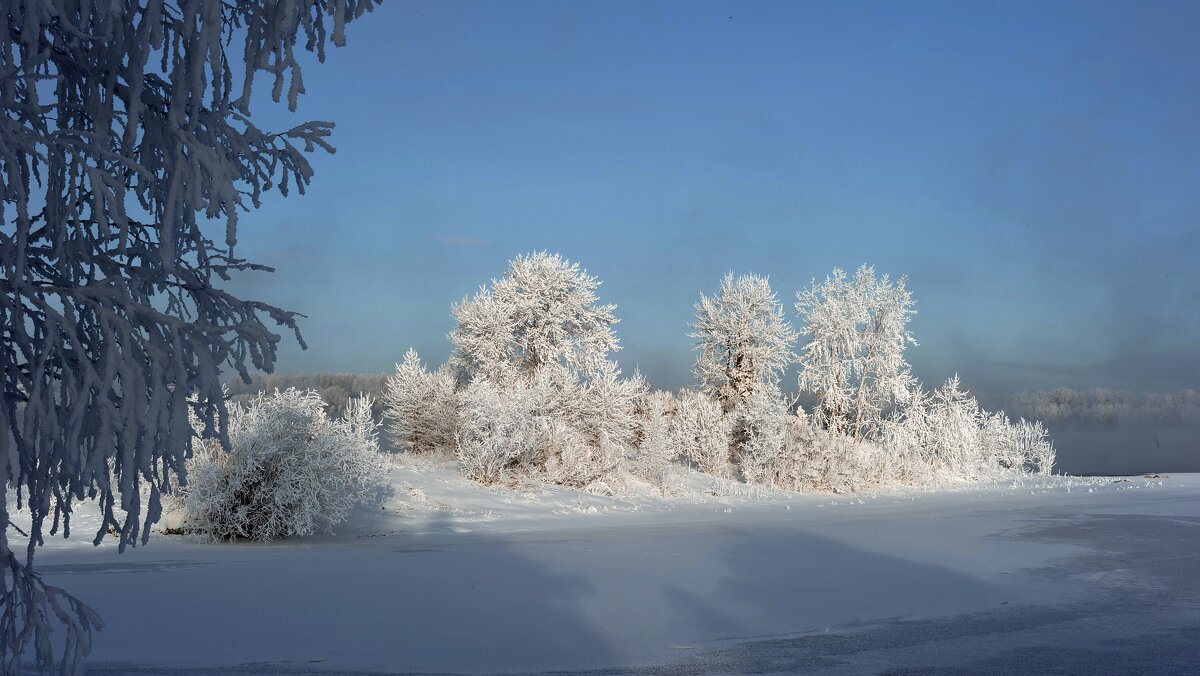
[
  {"x": 904, "y": 434},
  {"x": 542, "y": 312},
  {"x": 603, "y": 406},
  {"x": 539, "y": 328},
  {"x": 762, "y": 423},
  {"x": 743, "y": 339},
  {"x": 854, "y": 358},
  {"x": 703, "y": 433},
  {"x": 420, "y": 407},
  {"x": 594, "y": 426},
  {"x": 125, "y": 131},
  {"x": 290, "y": 471},
  {"x": 500, "y": 428},
  {"x": 954, "y": 424},
  {"x": 650, "y": 459}
]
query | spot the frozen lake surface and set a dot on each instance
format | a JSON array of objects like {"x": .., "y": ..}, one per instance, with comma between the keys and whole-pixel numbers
[{"x": 1039, "y": 575}]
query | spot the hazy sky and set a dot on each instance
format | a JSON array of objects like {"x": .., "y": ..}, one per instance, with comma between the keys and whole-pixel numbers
[{"x": 1034, "y": 168}]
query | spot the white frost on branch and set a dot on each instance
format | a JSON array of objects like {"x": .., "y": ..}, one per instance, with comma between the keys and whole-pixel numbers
[
  {"x": 703, "y": 433},
  {"x": 651, "y": 457},
  {"x": 542, "y": 399},
  {"x": 744, "y": 341},
  {"x": 542, "y": 312},
  {"x": 120, "y": 140},
  {"x": 854, "y": 358},
  {"x": 291, "y": 470},
  {"x": 420, "y": 407}
]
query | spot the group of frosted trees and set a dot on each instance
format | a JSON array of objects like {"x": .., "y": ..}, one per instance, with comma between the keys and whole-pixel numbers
[
  {"x": 531, "y": 389},
  {"x": 531, "y": 392},
  {"x": 127, "y": 153}
]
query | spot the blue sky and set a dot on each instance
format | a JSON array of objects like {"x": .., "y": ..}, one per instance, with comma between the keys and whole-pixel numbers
[{"x": 1034, "y": 168}]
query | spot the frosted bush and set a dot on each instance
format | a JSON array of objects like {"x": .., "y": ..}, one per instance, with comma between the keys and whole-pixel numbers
[
  {"x": 946, "y": 435},
  {"x": 1031, "y": 443},
  {"x": 291, "y": 470},
  {"x": 816, "y": 459},
  {"x": 953, "y": 423},
  {"x": 603, "y": 407},
  {"x": 650, "y": 459},
  {"x": 500, "y": 428},
  {"x": 594, "y": 424},
  {"x": 777, "y": 448},
  {"x": 571, "y": 458},
  {"x": 903, "y": 436},
  {"x": 420, "y": 408},
  {"x": 845, "y": 465},
  {"x": 761, "y": 434},
  {"x": 702, "y": 433}
]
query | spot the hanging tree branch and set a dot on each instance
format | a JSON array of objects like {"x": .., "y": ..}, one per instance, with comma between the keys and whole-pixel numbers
[{"x": 120, "y": 141}]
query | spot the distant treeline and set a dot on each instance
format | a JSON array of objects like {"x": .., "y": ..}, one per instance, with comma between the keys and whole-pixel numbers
[
  {"x": 335, "y": 389},
  {"x": 1065, "y": 407}
]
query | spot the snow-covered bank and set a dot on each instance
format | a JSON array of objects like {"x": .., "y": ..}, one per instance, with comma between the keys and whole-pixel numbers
[{"x": 443, "y": 575}]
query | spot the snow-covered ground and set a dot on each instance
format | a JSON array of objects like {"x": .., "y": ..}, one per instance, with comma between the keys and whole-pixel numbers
[{"x": 1040, "y": 574}]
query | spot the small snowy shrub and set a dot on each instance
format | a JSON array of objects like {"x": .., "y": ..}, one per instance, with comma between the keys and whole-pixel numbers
[
  {"x": 571, "y": 458},
  {"x": 650, "y": 459},
  {"x": 604, "y": 406},
  {"x": 816, "y": 459},
  {"x": 844, "y": 465},
  {"x": 292, "y": 471},
  {"x": 703, "y": 433},
  {"x": 499, "y": 429},
  {"x": 1031, "y": 443},
  {"x": 761, "y": 434},
  {"x": 594, "y": 424},
  {"x": 420, "y": 407},
  {"x": 945, "y": 435}
]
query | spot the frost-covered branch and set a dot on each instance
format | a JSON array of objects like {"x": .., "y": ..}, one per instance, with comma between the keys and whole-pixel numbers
[
  {"x": 854, "y": 358},
  {"x": 542, "y": 312},
  {"x": 743, "y": 339},
  {"x": 121, "y": 147}
]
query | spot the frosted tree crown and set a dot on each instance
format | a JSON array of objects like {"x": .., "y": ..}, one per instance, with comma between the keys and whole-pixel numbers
[{"x": 543, "y": 312}]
